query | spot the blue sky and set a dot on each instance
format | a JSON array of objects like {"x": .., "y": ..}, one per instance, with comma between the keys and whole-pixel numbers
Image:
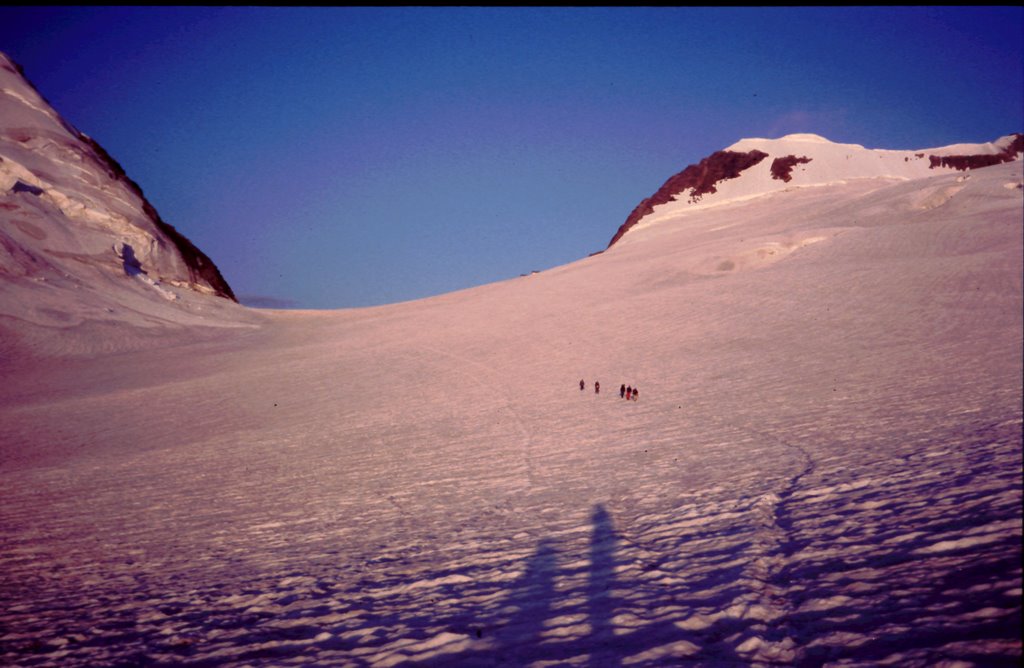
[{"x": 340, "y": 157}]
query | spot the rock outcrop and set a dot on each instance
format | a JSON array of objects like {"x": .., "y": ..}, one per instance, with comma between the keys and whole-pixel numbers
[
  {"x": 782, "y": 168},
  {"x": 202, "y": 270},
  {"x": 78, "y": 204},
  {"x": 979, "y": 160},
  {"x": 700, "y": 179},
  {"x": 741, "y": 172}
]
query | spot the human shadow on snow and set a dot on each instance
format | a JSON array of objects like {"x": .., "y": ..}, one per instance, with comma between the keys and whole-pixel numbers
[
  {"x": 543, "y": 621},
  {"x": 564, "y": 607},
  {"x": 683, "y": 598},
  {"x": 547, "y": 620},
  {"x": 601, "y": 602},
  {"x": 922, "y": 617}
]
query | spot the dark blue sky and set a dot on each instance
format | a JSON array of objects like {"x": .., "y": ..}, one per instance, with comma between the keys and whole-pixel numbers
[{"x": 336, "y": 157}]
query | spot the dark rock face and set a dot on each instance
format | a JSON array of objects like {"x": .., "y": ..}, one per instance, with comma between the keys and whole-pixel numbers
[
  {"x": 782, "y": 167},
  {"x": 201, "y": 268},
  {"x": 199, "y": 264},
  {"x": 966, "y": 162},
  {"x": 699, "y": 179}
]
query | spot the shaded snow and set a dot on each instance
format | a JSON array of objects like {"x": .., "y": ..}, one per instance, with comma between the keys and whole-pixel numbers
[{"x": 823, "y": 468}]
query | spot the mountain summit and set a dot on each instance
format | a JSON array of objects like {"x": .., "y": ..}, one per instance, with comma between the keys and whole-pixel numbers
[
  {"x": 72, "y": 220},
  {"x": 755, "y": 167}
]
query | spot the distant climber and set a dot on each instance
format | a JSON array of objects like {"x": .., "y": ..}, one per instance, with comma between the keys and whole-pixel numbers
[
  {"x": 622, "y": 391},
  {"x": 636, "y": 393},
  {"x": 582, "y": 385},
  {"x": 597, "y": 387},
  {"x": 629, "y": 391}
]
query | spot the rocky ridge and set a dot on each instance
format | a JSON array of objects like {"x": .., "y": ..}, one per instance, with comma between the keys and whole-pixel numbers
[
  {"x": 741, "y": 171},
  {"x": 68, "y": 210}
]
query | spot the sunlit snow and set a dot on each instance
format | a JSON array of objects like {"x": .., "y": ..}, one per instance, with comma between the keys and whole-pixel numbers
[{"x": 823, "y": 466}]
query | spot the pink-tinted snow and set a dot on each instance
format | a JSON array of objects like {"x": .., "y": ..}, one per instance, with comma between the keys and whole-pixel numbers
[{"x": 823, "y": 466}]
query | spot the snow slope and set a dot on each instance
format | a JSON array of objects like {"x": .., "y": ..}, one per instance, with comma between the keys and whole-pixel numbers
[
  {"x": 756, "y": 167},
  {"x": 823, "y": 467},
  {"x": 78, "y": 240}
]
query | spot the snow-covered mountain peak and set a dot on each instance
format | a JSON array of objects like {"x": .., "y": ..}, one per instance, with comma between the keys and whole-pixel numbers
[
  {"x": 73, "y": 224},
  {"x": 800, "y": 141},
  {"x": 755, "y": 167},
  {"x": 796, "y": 138},
  {"x": 807, "y": 136}
]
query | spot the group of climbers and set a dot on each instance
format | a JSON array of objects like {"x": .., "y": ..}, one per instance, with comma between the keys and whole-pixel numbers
[{"x": 626, "y": 392}]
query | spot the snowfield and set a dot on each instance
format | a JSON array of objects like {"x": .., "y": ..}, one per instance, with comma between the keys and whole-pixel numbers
[{"x": 823, "y": 467}]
